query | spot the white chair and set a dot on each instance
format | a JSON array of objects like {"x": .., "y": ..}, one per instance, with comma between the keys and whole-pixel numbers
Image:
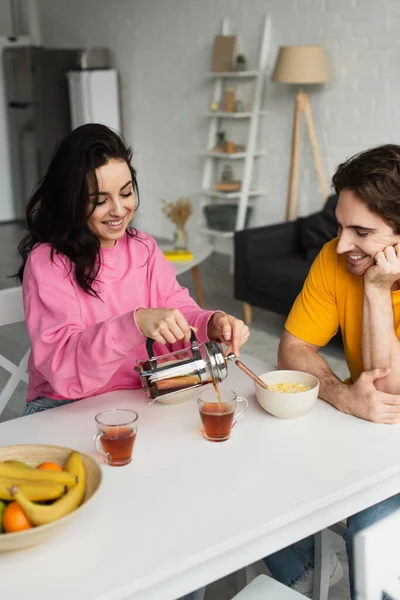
[
  {"x": 322, "y": 551},
  {"x": 266, "y": 588},
  {"x": 12, "y": 311},
  {"x": 377, "y": 559}
]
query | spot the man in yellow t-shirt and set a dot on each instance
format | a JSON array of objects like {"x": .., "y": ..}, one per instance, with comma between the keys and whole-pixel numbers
[{"x": 354, "y": 284}]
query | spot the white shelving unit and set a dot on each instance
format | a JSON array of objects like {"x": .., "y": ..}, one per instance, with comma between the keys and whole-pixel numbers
[
  {"x": 227, "y": 115},
  {"x": 247, "y": 192},
  {"x": 230, "y": 195},
  {"x": 233, "y": 156},
  {"x": 228, "y": 74}
]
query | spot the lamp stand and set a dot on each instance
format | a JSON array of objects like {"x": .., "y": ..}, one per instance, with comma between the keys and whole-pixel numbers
[{"x": 302, "y": 105}]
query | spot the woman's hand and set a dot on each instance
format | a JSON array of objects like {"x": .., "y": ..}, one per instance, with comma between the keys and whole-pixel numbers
[
  {"x": 163, "y": 325},
  {"x": 226, "y": 328}
]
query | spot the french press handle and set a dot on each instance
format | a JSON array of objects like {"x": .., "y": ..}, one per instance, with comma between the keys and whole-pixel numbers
[{"x": 193, "y": 342}]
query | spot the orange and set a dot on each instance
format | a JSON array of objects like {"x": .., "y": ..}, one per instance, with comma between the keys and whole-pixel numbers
[
  {"x": 49, "y": 466},
  {"x": 14, "y": 518}
]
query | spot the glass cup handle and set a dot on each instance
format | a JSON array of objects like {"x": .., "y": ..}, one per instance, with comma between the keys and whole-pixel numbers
[
  {"x": 98, "y": 447},
  {"x": 239, "y": 415}
]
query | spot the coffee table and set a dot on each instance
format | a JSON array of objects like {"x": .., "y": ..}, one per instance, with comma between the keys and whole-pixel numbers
[
  {"x": 186, "y": 512},
  {"x": 200, "y": 251}
]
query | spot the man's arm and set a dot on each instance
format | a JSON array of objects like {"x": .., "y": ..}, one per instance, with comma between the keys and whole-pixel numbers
[
  {"x": 295, "y": 354},
  {"x": 380, "y": 345},
  {"x": 361, "y": 399}
]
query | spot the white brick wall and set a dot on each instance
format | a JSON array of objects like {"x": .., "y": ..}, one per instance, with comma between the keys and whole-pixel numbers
[
  {"x": 162, "y": 49},
  {"x": 5, "y": 18}
]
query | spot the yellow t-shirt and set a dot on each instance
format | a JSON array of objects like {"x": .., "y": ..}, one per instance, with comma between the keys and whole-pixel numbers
[{"x": 333, "y": 297}]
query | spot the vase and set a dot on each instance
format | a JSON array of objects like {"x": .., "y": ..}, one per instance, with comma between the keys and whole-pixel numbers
[{"x": 180, "y": 239}]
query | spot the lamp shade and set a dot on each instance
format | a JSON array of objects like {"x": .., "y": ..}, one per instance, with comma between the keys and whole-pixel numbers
[{"x": 301, "y": 64}]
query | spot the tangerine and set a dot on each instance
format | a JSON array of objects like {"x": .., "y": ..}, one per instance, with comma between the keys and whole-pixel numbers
[
  {"x": 49, "y": 466},
  {"x": 14, "y": 518}
]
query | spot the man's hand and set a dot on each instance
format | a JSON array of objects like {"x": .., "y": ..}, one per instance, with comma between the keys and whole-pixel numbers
[
  {"x": 386, "y": 271},
  {"x": 366, "y": 402},
  {"x": 229, "y": 330}
]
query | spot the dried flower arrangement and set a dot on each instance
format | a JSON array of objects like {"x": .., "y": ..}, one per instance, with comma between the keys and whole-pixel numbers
[{"x": 179, "y": 211}]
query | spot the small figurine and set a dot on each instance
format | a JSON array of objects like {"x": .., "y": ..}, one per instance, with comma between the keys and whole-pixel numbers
[
  {"x": 227, "y": 174},
  {"x": 214, "y": 107}
]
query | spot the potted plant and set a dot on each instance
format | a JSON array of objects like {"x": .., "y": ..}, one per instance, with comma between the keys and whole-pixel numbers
[
  {"x": 241, "y": 62},
  {"x": 220, "y": 142}
]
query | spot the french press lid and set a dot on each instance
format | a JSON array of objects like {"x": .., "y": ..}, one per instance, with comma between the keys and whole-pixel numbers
[{"x": 217, "y": 360}]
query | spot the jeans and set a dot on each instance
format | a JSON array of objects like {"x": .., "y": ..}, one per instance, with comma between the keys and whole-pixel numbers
[
  {"x": 43, "y": 403},
  {"x": 291, "y": 564}
]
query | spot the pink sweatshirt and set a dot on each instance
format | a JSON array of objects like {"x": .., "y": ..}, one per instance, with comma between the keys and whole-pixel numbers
[{"x": 83, "y": 346}]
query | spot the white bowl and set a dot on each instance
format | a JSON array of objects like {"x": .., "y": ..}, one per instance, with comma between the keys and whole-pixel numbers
[{"x": 284, "y": 404}]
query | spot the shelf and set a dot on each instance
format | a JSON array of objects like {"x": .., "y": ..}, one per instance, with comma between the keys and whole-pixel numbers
[
  {"x": 232, "y": 115},
  {"x": 234, "y": 74},
  {"x": 216, "y": 232},
  {"x": 233, "y": 156},
  {"x": 230, "y": 195},
  {"x": 251, "y": 147}
]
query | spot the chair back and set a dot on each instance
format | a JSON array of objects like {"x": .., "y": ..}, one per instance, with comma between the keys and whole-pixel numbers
[
  {"x": 377, "y": 559},
  {"x": 264, "y": 587},
  {"x": 12, "y": 311}
]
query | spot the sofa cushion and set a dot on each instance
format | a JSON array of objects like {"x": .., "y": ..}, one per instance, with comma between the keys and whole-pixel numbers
[
  {"x": 281, "y": 278},
  {"x": 317, "y": 229}
]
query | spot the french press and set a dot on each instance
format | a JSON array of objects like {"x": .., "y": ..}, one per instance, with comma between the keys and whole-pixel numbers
[{"x": 184, "y": 369}]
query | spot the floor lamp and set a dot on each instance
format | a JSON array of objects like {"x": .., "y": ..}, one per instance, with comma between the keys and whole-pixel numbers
[{"x": 301, "y": 65}]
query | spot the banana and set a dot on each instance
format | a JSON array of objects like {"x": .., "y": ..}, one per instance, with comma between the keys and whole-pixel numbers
[
  {"x": 17, "y": 473},
  {"x": 33, "y": 490},
  {"x": 40, "y": 514},
  {"x": 2, "y": 507},
  {"x": 17, "y": 463}
]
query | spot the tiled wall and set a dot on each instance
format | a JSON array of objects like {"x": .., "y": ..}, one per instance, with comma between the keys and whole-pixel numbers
[{"x": 162, "y": 50}]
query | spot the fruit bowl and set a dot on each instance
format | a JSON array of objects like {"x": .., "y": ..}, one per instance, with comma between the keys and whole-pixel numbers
[{"x": 33, "y": 455}]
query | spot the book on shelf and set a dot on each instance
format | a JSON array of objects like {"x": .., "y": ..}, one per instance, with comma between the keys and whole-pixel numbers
[{"x": 177, "y": 255}]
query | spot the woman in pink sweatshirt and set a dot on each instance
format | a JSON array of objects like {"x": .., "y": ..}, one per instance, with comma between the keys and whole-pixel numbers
[{"x": 93, "y": 288}]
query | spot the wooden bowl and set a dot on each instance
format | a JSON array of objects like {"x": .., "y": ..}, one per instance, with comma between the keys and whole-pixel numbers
[{"x": 33, "y": 455}]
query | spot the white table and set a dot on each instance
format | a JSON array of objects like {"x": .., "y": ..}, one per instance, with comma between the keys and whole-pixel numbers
[
  {"x": 186, "y": 511},
  {"x": 201, "y": 251}
]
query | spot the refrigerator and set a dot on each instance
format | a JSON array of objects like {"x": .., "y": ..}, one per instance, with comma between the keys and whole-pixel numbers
[
  {"x": 7, "y": 212},
  {"x": 94, "y": 97},
  {"x": 38, "y": 114}
]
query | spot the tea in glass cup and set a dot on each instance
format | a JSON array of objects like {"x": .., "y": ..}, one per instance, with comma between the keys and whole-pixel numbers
[
  {"x": 116, "y": 434},
  {"x": 218, "y": 413}
]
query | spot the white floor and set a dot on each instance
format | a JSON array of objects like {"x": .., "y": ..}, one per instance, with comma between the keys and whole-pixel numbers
[{"x": 217, "y": 282}]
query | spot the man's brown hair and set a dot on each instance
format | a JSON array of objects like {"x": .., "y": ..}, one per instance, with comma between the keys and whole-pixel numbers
[{"x": 374, "y": 177}]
